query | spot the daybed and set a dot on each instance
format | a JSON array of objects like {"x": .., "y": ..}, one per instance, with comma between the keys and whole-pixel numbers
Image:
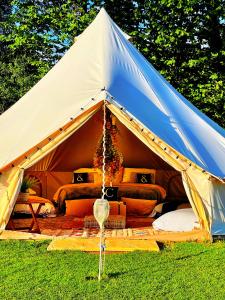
[{"x": 139, "y": 198}]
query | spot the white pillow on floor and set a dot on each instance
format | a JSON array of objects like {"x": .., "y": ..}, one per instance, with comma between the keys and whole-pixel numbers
[{"x": 177, "y": 220}]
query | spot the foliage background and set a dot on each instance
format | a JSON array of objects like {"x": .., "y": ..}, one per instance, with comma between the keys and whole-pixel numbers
[{"x": 183, "y": 39}]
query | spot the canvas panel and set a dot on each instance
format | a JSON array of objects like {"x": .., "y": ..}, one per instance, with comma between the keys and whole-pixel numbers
[
  {"x": 179, "y": 163},
  {"x": 78, "y": 151},
  {"x": 11, "y": 180},
  {"x": 217, "y": 194}
]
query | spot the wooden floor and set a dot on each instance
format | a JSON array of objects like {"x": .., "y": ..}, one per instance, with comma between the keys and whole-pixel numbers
[{"x": 68, "y": 226}]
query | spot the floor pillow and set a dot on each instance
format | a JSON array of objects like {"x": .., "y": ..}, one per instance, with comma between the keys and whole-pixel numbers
[{"x": 178, "y": 220}]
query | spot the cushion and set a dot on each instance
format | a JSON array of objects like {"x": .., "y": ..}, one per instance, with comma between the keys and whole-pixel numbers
[
  {"x": 138, "y": 207},
  {"x": 130, "y": 174},
  {"x": 178, "y": 220},
  {"x": 166, "y": 207},
  {"x": 111, "y": 193},
  {"x": 144, "y": 178},
  {"x": 94, "y": 174},
  {"x": 80, "y": 177},
  {"x": 114, "y": 208},
  {"x": 79, "y": 208},
  {"x": 163, "y": 208}
]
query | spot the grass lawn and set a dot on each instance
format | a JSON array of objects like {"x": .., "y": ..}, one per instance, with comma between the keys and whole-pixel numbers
[{"x": 181, "y": 271}]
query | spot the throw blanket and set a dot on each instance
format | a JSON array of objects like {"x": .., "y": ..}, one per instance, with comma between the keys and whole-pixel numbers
[{"x": 93, "y": 190}]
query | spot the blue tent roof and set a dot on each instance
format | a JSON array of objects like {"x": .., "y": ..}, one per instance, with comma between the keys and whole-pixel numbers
[{"x": 141, "y": 90}]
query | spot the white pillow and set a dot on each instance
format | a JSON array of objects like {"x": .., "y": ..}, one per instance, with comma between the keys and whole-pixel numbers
[{"x": 177, "y": 220}]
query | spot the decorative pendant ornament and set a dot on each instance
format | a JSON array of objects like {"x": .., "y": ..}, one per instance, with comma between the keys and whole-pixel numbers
[{"x": 101, "y": 211}]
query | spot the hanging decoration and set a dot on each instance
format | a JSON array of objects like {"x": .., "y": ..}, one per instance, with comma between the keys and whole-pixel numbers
[
  {"x": 101, "y": 206},
  {"x": 113, "y": 157}
]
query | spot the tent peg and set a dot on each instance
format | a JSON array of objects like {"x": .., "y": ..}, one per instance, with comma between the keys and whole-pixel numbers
[
  {"x": 153, "y": 139},
  {"x": 177, "y": 156},
  {"x": 142, "y": 129},
  {"x": 164, "y": 149},
  {"x": 131, "y": 119}
]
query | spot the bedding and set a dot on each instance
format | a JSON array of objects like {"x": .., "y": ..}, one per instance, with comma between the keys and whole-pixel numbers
[
  {"x": 47, "y": 209},
  {"x": 93, "y": 190},
  {"x": 178, "y": 220}
]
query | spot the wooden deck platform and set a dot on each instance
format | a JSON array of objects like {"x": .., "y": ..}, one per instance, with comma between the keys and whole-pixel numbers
[{"x": 112, "y": 244}]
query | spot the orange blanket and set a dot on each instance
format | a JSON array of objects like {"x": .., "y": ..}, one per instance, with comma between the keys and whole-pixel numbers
[{"x": 93, "y": 190}]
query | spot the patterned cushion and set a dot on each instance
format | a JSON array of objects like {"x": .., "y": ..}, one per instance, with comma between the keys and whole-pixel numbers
[{"x": 130, "y": 174}]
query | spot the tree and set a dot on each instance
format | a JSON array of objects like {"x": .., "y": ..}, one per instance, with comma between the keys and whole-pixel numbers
[
  {"x": 38, "y": 34},
  {"x": 183, "y": 39}
]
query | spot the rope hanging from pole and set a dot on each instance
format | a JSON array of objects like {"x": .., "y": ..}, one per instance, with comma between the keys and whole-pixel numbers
[{"x": 101, "y": 206}]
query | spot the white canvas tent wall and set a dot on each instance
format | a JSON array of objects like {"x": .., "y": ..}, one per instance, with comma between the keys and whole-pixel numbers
[{"x": 103, "y": 64}]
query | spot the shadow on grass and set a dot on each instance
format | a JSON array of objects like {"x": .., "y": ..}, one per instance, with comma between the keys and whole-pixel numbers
[
  {"x": 190, "y": 256},
  {"x": 106, "y": 276}
]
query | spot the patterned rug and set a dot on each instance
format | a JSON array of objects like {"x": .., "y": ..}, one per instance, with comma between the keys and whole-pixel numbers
[{"x": 73, "y": 227}]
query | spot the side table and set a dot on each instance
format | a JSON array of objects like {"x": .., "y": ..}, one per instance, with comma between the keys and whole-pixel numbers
[{"x": 34, "y": 226}]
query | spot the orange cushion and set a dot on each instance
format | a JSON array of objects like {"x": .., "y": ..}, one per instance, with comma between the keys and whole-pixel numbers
[
  {"x": 139, "y": 207},
  {"x": 114, "y": 208},
  {"x": 130, "y": 174},
  {"x": 79, "y": 208},
  {"x": 94, "y": 174}
]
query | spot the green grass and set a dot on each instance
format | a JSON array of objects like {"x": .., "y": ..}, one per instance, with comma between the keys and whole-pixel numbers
[{"x": 183, "y": 271}]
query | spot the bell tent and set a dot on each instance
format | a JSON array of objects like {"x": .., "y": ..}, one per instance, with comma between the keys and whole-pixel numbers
[{"x": 51, "y": 124}]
